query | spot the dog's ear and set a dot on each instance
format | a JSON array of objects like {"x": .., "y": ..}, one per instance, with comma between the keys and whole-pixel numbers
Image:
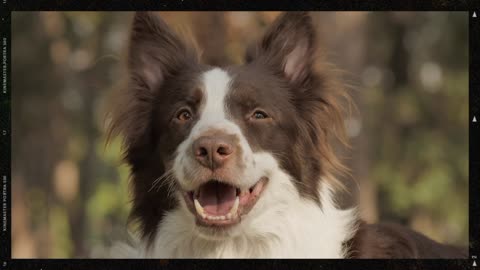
[
  {"x": 288, "y": 46},
  {"x": 155, "y": 51}
]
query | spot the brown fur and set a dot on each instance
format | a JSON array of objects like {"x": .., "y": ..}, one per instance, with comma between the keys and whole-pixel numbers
[
  {"x": 392, "y": 241},
  {"x": 317, "y": 97},
  {"x": 156, "y": 55}
]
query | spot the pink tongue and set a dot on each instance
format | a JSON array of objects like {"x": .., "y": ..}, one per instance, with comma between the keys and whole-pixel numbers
[{"x": 217, "y": 198}]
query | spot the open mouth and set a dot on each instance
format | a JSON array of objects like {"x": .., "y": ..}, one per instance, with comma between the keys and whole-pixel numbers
[{"x": 217, "y": 203}]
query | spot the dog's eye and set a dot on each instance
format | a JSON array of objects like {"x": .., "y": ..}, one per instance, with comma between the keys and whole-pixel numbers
[
  {"x": 259, "y": 115},
  {"x": 184, "y": 115}
]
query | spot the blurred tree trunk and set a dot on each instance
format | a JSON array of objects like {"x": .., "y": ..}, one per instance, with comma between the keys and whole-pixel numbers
[
  {"x": 90, "y": 85},
  {"x": 354, "y": 27},
  {"x": 210, "y": 33},
  {"x": 397, "y": 60}
]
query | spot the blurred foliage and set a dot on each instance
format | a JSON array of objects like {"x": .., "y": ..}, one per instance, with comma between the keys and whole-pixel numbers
[
  {"x": 419, "y": 109},
  {"x": 70, "y": 191}
]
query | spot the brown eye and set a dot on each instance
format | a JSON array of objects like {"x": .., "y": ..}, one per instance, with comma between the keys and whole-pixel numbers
[
  {"x": 259, "y": 115},
  {"x": 184, "y": 115}
]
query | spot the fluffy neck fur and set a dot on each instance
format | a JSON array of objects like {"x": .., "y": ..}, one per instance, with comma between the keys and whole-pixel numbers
[{"x": 282, "y": 225}]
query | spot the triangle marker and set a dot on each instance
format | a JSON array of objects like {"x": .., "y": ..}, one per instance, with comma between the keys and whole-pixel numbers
[
  {"x": 474, "y": 15},
  {"x": 474, "y": 119},
  {"x": 474, "y": 263}
]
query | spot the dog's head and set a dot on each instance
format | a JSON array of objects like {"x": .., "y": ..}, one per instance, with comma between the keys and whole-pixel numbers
[{"x": 212, "y": 141}]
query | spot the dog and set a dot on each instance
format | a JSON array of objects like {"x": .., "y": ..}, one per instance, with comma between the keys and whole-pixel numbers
[{"x": 238, "y": 162}]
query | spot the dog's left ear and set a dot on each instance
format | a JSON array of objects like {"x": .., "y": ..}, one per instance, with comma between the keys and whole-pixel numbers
[{"x": 288, "y": 46}]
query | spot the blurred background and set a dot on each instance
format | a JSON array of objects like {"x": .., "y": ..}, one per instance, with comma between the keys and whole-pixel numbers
[{"x": 408, "y": 72}]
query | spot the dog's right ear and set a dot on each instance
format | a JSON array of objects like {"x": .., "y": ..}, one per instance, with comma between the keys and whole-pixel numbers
[
  {"x": 288, "y": 46},
  {"x": 155, "y": 51}
]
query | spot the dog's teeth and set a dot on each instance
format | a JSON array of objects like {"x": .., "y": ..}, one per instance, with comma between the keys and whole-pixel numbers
[
  {"x": 234, "y": 209},
  {"x": 214, "y": 217},
  {"x": 230, "y": 215},
  {"x": 199, "y": 208}
]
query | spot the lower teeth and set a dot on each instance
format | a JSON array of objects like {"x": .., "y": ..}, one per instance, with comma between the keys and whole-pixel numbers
[{"x": 230, "y": 215}]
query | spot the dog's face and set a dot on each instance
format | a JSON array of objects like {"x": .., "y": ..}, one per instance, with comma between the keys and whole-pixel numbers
[{"x": 209, "y": 140}]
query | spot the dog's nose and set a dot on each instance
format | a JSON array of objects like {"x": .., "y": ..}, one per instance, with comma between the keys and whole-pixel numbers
[{"x": 213, "y": 151}]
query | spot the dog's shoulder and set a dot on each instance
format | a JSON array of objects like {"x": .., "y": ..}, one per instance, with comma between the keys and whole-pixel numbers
[{"x": 394, "y": 241}]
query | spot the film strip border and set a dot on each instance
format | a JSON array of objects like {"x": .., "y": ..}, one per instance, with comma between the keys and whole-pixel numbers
[
  {"x": 224, "y": 5},
  {"x": 5, "y": 175},
  {"x": 474, "y": 135},
  {"x": 5, "y": 137}
]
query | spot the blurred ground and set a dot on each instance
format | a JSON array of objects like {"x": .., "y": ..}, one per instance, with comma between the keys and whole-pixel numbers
[{"x": 408, "y": 72}]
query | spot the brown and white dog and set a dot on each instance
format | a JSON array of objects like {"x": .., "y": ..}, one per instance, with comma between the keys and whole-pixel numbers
[{"x": 237, "y": 161}]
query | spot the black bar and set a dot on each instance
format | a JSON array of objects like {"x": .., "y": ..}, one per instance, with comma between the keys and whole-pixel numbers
[
  {"x": 235, "y": 263},
  {"x": 5, "y": 138},
  {"x": 212, "y": 5},
  {"x": 474, "y": 166},
  {"x": 108, "y": 5}
]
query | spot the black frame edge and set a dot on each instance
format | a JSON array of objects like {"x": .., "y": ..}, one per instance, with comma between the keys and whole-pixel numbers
[
  {"x": 224, "y": 5},
  {"x": 5, "y": 136},
  {"x": 474, "y": 160},
  {"x": 5, "y": 155}
]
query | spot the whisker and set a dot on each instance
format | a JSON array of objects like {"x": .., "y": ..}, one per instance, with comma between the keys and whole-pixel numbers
[
  {"x": 158, "y": 182},
  {"x": 170, "y": 182}
]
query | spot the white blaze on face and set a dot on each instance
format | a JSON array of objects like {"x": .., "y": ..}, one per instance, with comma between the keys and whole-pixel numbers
[
  {"x": 213, "y": 116},
  {"x": 216, "y": 85}
]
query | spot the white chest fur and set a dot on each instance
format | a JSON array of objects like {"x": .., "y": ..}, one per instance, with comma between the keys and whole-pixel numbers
[{"x": 282, "y": 225}]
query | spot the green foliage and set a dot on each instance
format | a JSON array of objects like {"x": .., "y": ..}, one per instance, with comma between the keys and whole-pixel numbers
[
  {"x": 60, "y": 230},
  {"x": 420, "y": 158}
]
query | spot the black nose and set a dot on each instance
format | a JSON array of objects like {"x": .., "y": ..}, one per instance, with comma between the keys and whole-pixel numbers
[{"x": 213, "y": 151}]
